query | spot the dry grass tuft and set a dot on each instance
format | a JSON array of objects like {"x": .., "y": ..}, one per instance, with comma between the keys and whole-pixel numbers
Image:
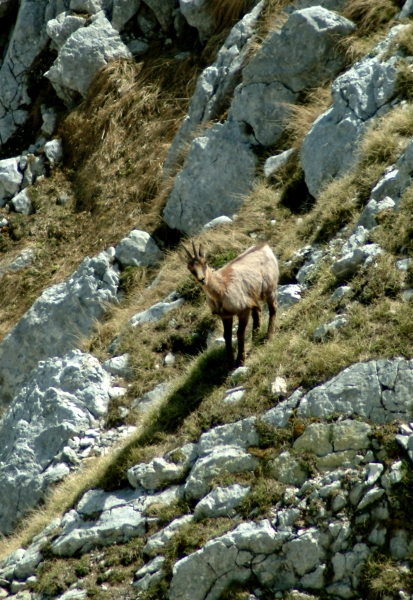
[
  {"x": 225, "y": 13},
  {"x": 131, "y": 115},
  {"x": 371, "y": 15}
]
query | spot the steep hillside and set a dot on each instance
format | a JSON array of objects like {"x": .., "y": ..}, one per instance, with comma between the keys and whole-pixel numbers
[{"x": 133, "y": 463}]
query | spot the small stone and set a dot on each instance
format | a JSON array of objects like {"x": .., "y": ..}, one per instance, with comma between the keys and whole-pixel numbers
[
  {"x": 338, "y": 502},
  {"x": 371, "y": 496},
  {"x": 274, "y": 163},
  {"x": 340, "y": 293},
  {"x": 234, "y": 395},
  {"x": 287, "y": 469},
  {"x": 54, "y": 151},
  {"x": 239, "y": 374},
  {"x": 327, "y": 328},
  {"x": 221, "y": 502},
  {"x": 223, "y": 220},
  {"x": 22, "y": 203},
  {"x": 117, "y": 392},
  {"x": 374, "y": 472},
  {"x": 62, "y": 199},
  {"x": 404, "y": 264},
  {"x": 316, "y": 438},
  {"x": 169, "y": 360},
  {"x": 278, "y": 387}
]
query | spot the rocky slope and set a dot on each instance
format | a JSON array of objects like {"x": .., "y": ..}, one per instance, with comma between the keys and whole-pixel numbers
[{"x": 131, "y": 463}]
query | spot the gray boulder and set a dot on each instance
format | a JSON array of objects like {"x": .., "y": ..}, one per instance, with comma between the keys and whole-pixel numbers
[
  {"x": 301, "y": 54},
  {"x": 27, "y": 39},
  {"x": 216, "y": 83},
  {"x": 223, "y": 459},
  {"x": 287, "y": 295},
  {"x": 61, "y": 28},
  {"x": 158, "y": 540},
  {"x": 23, "y": 260},
  {"x": 361, "y": 93},
  {"x": 217, "y": 174},
  {"x": 163, "y": 11},
  {"x": 221, "y": 502},
  {"x": 138, "y": 249},
  {"x": 22, "y": 203},
  {"x": 346, "y": 267},
  {"x": 11, "y": 178},
  {"x": 198, "y": 15},
  {"x": 84, "y": 53},
  {"x": 123, "y": 10},
  {"x": 64, "y": 398},
  {"x": 52, "y": 326}
]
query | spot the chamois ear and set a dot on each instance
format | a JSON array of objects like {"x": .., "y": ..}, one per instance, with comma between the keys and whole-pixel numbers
[{"x": 201, "y": 251}]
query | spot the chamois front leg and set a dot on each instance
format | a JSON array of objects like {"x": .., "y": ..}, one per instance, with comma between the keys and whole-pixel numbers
[
  {"x": 243, "y": 322},
  {"x": 272, "y": 307},
  {"x": 256, "y": 320},
  {"x": 227, "y": 322}
]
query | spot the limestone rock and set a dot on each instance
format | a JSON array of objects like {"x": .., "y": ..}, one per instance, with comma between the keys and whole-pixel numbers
[
  {"x": 113, "y": 526},
  {"x": 22, "y": 203},
  {"x": 54, "y": 151},
  {"x": 123, "y": 10},
  {"x": 346, "y": 267},
  {"x": 367, "y": 218},
  {"x": 138, "y": 249},
  {"x": 64, "y": 396},
  {"x": 287, "y": 295},
  {"x": 84, "y": 53},
  {"x": 163, "y": 11},
  {"x": 364, "y": 91},
  {"x": 221, "y": 502},
  {"x": 274, "y": 163},
  {"x": 351, "y": 435},
  {"x": 27, "y": 40},
  {"x": 216, "y": 83},
  {"x": 159, "y": 471},
  {"x": 217, "y": 173},
  {"x": 11, "y": 177},
  {"x": 158, "y": 540},
  {"x": 299, "y": 55},
  {"x": 61, "y": 28},
  {"x": 152, "y": 398},
  {"x": 51, "y": 326},
  {"x": 287, "y": 469},
  {"x": 118, "y": 366},
  {"x": 218, "y": 221},
  {"x": 241, "y": 434},
  {"x": 198, "y": 14},
  {"x": 316, "y": 438},
  {"x": 223, "y": 459},
  {"x": 22, "y": 261},
  {"x": 322, "y": 331},
  {"x": 158, "y": 310}
]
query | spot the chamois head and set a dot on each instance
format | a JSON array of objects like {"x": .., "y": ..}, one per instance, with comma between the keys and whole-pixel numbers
[{"x": 197, "y": 263}]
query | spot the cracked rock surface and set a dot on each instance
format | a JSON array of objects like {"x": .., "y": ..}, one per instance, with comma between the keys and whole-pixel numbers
[{"x": 51, "y": 326}]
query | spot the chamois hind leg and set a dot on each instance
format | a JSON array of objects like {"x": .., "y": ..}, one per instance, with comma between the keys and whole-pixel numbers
[
  {"x": 272, "y": 307},
  {"x": 227, "y": 322},
  {"x": 242, "y": 325},
  {"x": 256, "y": 320}
]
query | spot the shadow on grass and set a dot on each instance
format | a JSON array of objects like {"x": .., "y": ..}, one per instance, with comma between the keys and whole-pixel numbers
[{"x": 207, "y": 373}]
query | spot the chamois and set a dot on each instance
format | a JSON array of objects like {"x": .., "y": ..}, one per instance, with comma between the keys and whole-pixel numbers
[{"x": 237, "y": 289}]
